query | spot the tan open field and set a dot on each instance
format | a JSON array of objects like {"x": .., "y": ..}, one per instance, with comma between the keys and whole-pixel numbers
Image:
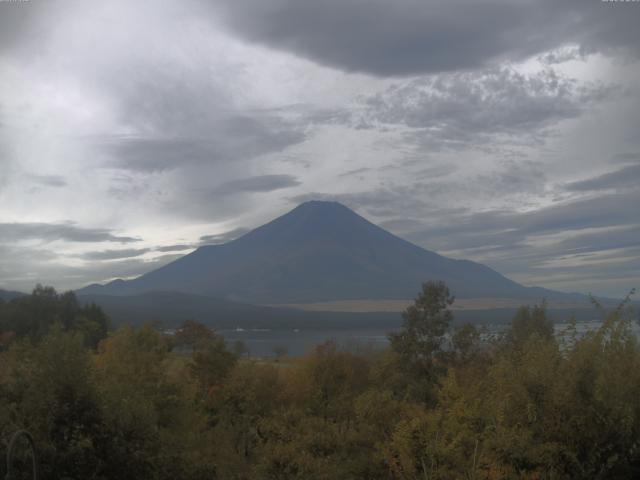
[{"x": 400, "y": 305}]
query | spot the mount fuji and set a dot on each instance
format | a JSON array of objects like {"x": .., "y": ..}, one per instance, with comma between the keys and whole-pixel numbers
[{"x": 318, "y": 252}]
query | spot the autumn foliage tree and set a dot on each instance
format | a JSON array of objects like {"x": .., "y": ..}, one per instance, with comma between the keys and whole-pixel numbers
[
  {"x": 33, "y": 316},
  {"x": 419, "y": 344},
  {"x": 439, "y": 403}
]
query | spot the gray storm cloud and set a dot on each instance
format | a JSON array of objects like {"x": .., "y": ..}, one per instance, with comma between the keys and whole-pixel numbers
[
  {"x": 503, "y": 132},
  {"x": 409, "y": 37}
]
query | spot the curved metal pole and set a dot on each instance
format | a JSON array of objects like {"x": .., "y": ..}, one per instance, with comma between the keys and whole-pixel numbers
[{"x": 12, "y": 445}]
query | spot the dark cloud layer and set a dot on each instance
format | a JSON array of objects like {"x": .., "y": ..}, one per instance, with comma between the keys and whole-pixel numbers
[
  {"x": 626, "y": 157},
  {"x": 25, "y": 267},
  {"x": 622, "y": 178},
  {"x": 114, "y": 254},
  {"x": 225, "y": 237},
  {"x": 625, "y": 237},
  {"x": 408, "y": 37},
  {"x": 182, "y": 114},
  {"x": 508, "y": 227},
  {"x": 174, "y": 248},
  {"x": 485, "y": 129},
  {"x": 240, "y": 139},
  {"x": 510, "y": 241},
  {"x": 261, "y": 183},
  {"x": 49, "y": 180},
  {"x": 14, "y": 232},
  {"x": 16, "y": 22}
]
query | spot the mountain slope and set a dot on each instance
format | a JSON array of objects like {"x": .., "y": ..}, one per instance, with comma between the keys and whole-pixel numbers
[
  {"x": 319, "y": 251},
  {"x": 7, "y": 295}
]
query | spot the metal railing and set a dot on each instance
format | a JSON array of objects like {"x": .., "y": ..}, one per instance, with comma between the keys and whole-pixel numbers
[{"x": 13, "y": 443}]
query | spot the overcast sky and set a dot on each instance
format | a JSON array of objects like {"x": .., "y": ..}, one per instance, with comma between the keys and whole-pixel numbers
[{"x": 506, "y": 132}]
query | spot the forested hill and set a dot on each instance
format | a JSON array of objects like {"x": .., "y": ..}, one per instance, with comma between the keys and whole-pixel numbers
[{"x": 7, "y": 295}]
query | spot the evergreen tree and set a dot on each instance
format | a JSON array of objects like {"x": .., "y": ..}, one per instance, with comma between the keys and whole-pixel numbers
[{"x": 419, "y": 345}]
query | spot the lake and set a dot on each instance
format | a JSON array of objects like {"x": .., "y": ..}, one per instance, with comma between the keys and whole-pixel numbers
[{"x": 262, "y": 342}]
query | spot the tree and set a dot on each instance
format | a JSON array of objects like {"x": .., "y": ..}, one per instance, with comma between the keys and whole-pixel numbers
[
  {"x": 34, "y": 315},
  {"x": 136, "y": 400},
  {"x": 419, "y": 344},
  {"x": 466, "y": 342},
  {"x": 251, "y": 393},
  {"x": 193, "y": 336},
  {"x": 529, "y": 322},
  {"x": 211, "y": 363},
  {"x": 47, "y": 389},
  {"x": 280, "y": 351},
  {"x": 330, "y": 380},
  {"x": 150, "y": 420},
  {"x": 240, "y": 349}
]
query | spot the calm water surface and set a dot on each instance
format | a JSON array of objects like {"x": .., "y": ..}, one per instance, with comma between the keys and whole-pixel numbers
[{"x": 264, "y": 342}]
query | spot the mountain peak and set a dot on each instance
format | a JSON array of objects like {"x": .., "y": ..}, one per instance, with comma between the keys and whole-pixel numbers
[
  {"x": 322, "y": 207},
  {"x": 321, "y": 204},
  {"x": 312, "y": 221}
]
